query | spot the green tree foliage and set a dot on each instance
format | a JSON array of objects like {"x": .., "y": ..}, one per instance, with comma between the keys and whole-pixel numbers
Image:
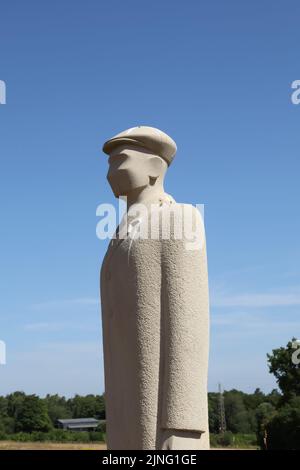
[
  {"x": 14, "y": 404},
  {"x": 22, "y": 416},
  {"x": 282, "y": 427},
  {"x": 58, "y": 408},
  {"x": 88, "y": 406},
  {"x": 274, "y": 397},
  {"x": 213, "y": 412},
  {"x": 253, "y": 400},
  {"x": 283, "y": 430},
  {"x": 239, "y": 418},
  {"x": 264, "y": 413},
  {"x": 33, "y": 415},
  {"x": 286, "y": 372},
  {"x": 240, "y": 410}
]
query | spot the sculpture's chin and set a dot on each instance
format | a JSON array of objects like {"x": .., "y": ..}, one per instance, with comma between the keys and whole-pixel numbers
[
  {"x": 116, "y": 190},
  {"x": 117, "y": 193},
  {"x": 129, "y": 192}
]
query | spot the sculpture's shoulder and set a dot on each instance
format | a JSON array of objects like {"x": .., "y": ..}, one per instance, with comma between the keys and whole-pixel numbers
[
  {"x": 173, "y": 221},
  {"x": 183, "y": 215},
  {"x": 181, "y": 209}
]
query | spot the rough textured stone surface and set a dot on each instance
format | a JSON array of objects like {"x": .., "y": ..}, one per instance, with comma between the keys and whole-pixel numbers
[{"x": 155, "y": 331}]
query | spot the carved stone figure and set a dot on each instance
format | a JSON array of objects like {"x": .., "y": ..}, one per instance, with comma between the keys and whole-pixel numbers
[{"x": 155, "y": 310}]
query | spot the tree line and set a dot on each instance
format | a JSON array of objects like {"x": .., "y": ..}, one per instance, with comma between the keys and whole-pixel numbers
[
  {"x": 29, "y": 417},
  {"x": 271, "y": 420},
  {"x": 274, "y": 417}
]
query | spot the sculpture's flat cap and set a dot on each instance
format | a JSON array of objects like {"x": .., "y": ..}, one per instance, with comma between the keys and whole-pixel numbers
[{"x": 146, "y": 137}]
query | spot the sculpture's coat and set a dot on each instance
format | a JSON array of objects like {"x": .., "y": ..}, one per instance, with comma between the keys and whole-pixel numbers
[{"x": 155, "y": 331}]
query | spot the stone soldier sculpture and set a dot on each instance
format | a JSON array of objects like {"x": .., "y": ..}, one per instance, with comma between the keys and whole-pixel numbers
[{"x": 155, "y": 311}]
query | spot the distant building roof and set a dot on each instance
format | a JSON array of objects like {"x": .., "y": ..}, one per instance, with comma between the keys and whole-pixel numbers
[
  {"x": 78, "y": 420},
  {"x": 79, "y": 423}
]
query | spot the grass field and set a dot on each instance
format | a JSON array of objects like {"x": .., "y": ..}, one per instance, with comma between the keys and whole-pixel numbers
[{"x": 12, "y": 445}]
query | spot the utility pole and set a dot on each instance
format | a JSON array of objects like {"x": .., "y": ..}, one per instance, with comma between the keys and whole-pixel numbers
[{"x": 222, "y": 420}]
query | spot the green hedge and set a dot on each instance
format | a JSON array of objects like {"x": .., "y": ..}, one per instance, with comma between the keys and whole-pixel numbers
[
  {"x": 228, "y": 439},
  {"x": 56, "y": 435},
  {"x": 238, "y": 441}
]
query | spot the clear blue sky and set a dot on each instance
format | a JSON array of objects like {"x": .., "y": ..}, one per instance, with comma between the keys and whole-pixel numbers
[{"x": 217, "y": 77}]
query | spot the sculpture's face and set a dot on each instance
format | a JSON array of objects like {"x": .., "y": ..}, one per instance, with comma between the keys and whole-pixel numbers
[{"x": 130, "y": 168}]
